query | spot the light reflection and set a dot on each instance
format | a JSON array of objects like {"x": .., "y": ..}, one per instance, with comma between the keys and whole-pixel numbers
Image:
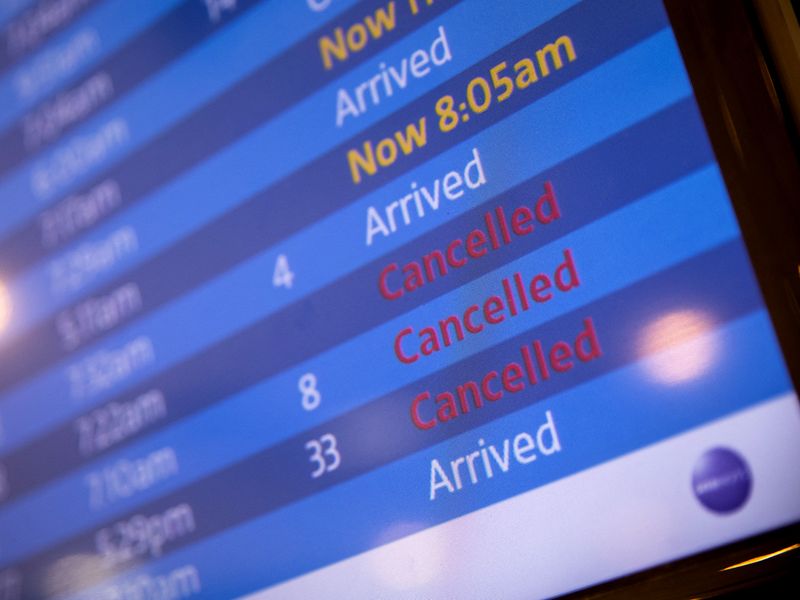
[
  {"x": 412, "y": 563},
  {"x": 75, "y": 572},
  {"x": 677, "y": 347},
  {"x": 764, "y": 557},
  {"x": 5, "y": 307}
]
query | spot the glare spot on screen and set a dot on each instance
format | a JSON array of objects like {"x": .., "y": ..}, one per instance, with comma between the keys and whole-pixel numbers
[
  {"x": 406, "y": 565},
  {"x": 677, "y": 346},
  {"x": 5, "y": 307},
  {"x": 75, "y": 571}
]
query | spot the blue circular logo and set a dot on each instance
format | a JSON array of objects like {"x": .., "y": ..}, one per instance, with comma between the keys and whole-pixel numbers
[{"x": 721, "y": 480}]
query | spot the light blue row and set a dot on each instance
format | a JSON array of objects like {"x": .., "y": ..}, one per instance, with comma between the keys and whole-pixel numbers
[
  {"x": 265, "y": 155},
  {"x": 510, "y": 154},
  {"x": 656, "y": 232},
  {"x": 12, "y": 8},
  {"x": 154, "y": 106},
  {"x": 110, "y": 24},
  {"x": 393, "y": 501}
]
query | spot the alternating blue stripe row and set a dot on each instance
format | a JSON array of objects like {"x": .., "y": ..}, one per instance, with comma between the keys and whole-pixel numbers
[
  {"x": 27, "y": 30},
  {"x": 75, "y": 50},
  {"x": 184, "y": 27},
  {"x": 285, "y": 472},
  {"x": 287, "y": 206},
  {"x": 10, "y": 9},
  {"x": 48, "y": 391},
  {"x": 639, "y": 241},
  {"x": 596, "y": 422},
  {"x": 576, "y": 181},
  {"x": 191, "y": 140}
]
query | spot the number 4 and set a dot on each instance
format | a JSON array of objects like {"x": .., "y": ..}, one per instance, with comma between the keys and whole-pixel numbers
[{"x": 283, "y": 275}]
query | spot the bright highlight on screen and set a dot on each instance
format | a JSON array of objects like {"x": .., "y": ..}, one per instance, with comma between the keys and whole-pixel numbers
[
  {"x": 5, "y": 307},
  {"x": 681, "y": 345}
]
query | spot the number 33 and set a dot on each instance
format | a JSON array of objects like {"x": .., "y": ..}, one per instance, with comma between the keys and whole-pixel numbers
[{"x": 324, "y": 454}]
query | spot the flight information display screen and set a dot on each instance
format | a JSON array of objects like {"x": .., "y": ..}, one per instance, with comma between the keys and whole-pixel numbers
[{"x": 391, "y": 298}]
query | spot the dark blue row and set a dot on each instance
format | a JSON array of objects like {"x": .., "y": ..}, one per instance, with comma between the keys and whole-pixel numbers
[
  {"x": 676, "y": 132},
  {"x": 269, "y": 90},
  {"x": 12, "y": 52},
  {"x": 12, "y": 9},
  {"x": 324, "y": 185},
  {"x": 381, "y": 432},
  {"x": 173, "y": 35}
]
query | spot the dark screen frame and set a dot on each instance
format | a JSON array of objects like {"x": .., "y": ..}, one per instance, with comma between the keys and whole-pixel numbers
[{"x": 757, "y": 144}]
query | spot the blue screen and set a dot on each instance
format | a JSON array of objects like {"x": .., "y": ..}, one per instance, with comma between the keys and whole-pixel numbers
[{"x": 381, "y": 299}]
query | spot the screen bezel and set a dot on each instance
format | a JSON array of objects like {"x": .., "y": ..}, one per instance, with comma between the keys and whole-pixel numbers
[{"x": 757, "y": 144}]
